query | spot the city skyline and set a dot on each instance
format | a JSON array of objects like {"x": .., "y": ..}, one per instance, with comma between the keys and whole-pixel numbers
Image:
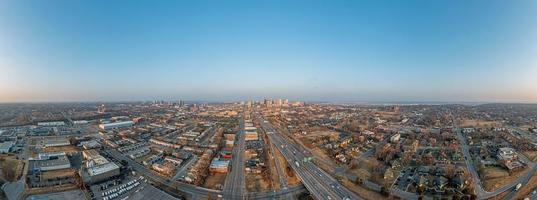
[{"x": 302, "y": 50}]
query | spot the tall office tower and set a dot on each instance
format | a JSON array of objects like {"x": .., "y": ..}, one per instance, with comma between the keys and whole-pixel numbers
[
  {"x": 286, "y": 102},
  {"x": 181, "y": 103},
  {"x": 278, "y": 103},
  {"x": 249, "y": 104},
  {"x": 101, "y": 109},
  {"x": 269, "y": 103}
]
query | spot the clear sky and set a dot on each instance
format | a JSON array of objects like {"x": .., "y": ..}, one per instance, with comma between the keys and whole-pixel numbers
[{"x": 100, "y": 50}]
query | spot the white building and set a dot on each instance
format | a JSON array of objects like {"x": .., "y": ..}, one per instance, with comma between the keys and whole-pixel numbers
[
  {"x": 56, "y": 142},
  {"x": 395, "y": 138},
  {"x": 58, "y": 123},
  {"x": 115, "y": 125}
]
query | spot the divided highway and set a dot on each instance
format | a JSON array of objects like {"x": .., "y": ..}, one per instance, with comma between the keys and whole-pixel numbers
[{"x": 321, "y": 185}]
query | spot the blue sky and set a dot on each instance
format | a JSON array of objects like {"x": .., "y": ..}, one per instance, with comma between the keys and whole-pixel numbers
[{"x": 302, "y": 50}]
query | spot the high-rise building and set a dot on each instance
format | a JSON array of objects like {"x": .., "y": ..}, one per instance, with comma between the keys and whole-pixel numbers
[
  {"x": 101, "y": 109},
  {"x": 278, "y": 103}
]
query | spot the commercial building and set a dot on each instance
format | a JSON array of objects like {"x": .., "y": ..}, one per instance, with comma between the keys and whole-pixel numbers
[
  {"x": 507, "y": 154},
  {"x": 251, "y": 135},
  {"x": 219, "y": 166},
  {"x": 395, "y": 138},
  {"x": 230, "y": 143},
  {"x": 97, "y": 168},
  {"x": 115, "y": 125}
]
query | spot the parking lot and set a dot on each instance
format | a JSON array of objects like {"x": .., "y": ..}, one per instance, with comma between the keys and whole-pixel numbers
[{"x": 117, "y": 188}]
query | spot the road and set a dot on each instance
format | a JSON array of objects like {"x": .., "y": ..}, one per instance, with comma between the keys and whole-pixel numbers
[
  {"x": 523, "y": 180},
  {"x": 207, "y": 134},
  {"x": 318, "y": 182},
  {"x": 195, "y": 191},
  {"x": 184, "y": 167},
  {"x": 234, "y": 187},
  {"x": 479, "y": 191}
]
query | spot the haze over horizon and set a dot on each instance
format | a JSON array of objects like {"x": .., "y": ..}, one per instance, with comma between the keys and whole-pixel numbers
[{"x": 337, "y": 51}]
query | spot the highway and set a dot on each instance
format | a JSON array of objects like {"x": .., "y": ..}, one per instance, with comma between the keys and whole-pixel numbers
[
  {"x": 321, "y": 185},
  {"x": 234, "y": 186},
  {"x": 200, "y": 192}
]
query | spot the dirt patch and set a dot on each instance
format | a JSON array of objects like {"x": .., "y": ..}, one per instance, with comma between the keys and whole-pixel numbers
[
  {"x": 272, "y": 168},
  {"x": 363, "y": 192},
  {"x": 532, "y": 155},
  {"x": 10, "y": 168},
  {"x": 58, "y": 173},
  {"x": 66, "y": 149},
  {"x": 478, "y": 123},
  {"x": 494, "y": 178},
  {"x": 289, "y": 174},
  {"x": 318, "y": 134},
  {"x": 215, "y": 181},
  {"x": 257, "y": 183}
]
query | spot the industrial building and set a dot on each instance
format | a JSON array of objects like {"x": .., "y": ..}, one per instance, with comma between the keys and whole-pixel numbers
[
  {"x": 49, "y": 162},
  {"x": 58, "y": 123},
  {"x": 97, "y": 168},
  {"x": 57, "y": 142},
  {"x": 115, "y": 125}
]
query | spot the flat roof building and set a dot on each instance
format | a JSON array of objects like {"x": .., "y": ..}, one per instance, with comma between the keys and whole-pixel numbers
[
  {"x": 57, "y": 142},
  {"x": 219, "y": 166},
  {"x": 97, "y": 167},
  {"x": 115, "y": 125},
  {"x": 49, "y": 162}
]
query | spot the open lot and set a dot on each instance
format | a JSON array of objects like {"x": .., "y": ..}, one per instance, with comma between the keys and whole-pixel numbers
[
  {"x": 478, "y": 123},
  {"x": 67, "y": 149},
  {"x": 10, "y": 168},
  {"x": 257, "y": 183},
  {"x": 58, "y": 173},
  {"x": 215, "y": 181},
  {"x": 532, "y": 155},
  {"x": 71, "y": 194},
  {"x": 494, "y": 177}
]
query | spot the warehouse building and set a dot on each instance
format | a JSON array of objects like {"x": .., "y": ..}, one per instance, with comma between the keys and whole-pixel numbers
[
  {"x": 48, "y": 162},
  {"x": 116, "y": 125},
  {"x": 57, "y": 142}
]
